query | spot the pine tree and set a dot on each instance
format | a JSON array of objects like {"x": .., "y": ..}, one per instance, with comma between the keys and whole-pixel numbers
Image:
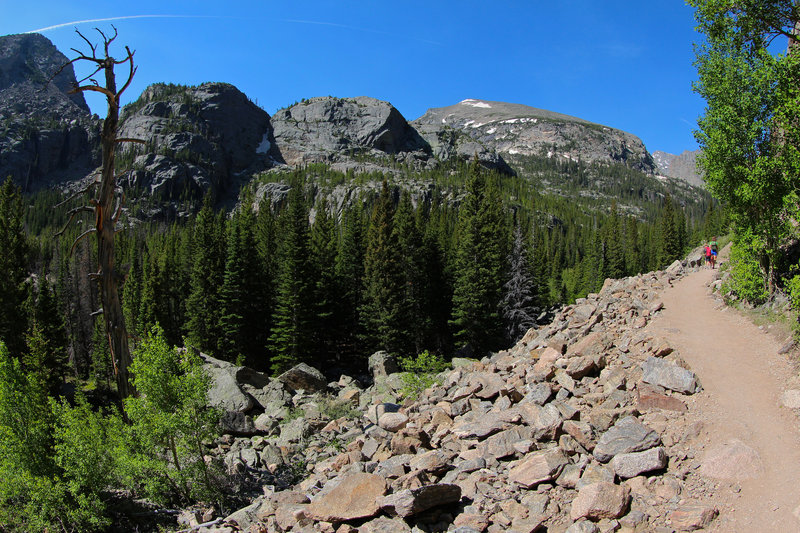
[
  {"x": 519, "y": 301},
  {"x": 670, "y": 245},
  {"x": 293, "y": 316},
  {"x": 49, "y": 326},
  {"x": 206, "y": 277},
  {"x": 326, "y": 298},
  {"x": 615, "y": 254},
  {"x": 13, "y": 265},
  {"x": 416, "y": 321},
  {"x": 480, "y": 266},
  {"x": 350, "y": 280},
  {"x": 383, "y": 300}
]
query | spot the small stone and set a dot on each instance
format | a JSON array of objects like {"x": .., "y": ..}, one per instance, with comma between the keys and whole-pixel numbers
[
  {"x": 393, "y": 422},
  {"x": 628, "y": 465},
  {"x": 692, "y": 517},
  {"x": 538, "y": 467},
  {"x": 732, "y": 460},
  {"x": 409, "y": 502},
  {"x": 600, "y": 500},
  {"x": 354, "y": 497},
  {"x": 648, "y": 397},
  {"x": 791, "y": 399},
  {"x": 626, "y": 436}
]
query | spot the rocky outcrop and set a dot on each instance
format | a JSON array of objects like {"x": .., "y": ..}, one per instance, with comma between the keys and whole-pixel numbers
[
  {"x": 551, "y": 434},
  {"x": 328, "y": 129},
  {"x": 513, "y": 130},
  {"x": 682, "y": 166},
  {"x": 199, "y": 139},
  {"x": 47, "y": 136}
]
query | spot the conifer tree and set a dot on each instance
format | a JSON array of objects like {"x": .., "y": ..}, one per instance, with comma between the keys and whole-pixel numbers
[
  {"x": 293, "y": 316},
  {"x": 349, "y": 280},
  {"x": 206, "y": 277},
  {"x": 383, "y": 301},
  {"x": 670, "y": 245},
  {"x": 13, "y": 266},
  {"x": 519, "y": 301},
  {"x": 49, "y": 326},
  {"x": 615, "y": 254},
  {"x": 326, "y": 297},
  {"x": 416, "y": 320},
  {"x": 480, "y": 266}
]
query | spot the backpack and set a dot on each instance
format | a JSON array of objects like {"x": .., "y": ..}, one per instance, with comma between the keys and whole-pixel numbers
[
  {"x": 713, "y": 246},
  {"x": 708, "y": 251}
]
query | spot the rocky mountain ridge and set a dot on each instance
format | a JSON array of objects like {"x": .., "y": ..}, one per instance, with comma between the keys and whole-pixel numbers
[
  {"x": 47, "y": 136},
  {"x": 582, "y": 426},
  {"x": 682, "y": 166}
]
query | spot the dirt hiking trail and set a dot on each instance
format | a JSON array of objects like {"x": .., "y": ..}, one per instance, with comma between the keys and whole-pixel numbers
[{"x": 744, "y": 442}]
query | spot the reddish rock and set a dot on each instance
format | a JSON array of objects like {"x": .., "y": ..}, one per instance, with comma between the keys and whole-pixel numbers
[
  {"x": 354, "y": 497},
  {"x": 692, "y": 517},
  {"x": 648, "y": 397},
  {"x": 538, "y": 467},
  {"x": 732, "y": 460},
  {"x": 600, "y": 500},
  {"x": 410, "y": 502}
]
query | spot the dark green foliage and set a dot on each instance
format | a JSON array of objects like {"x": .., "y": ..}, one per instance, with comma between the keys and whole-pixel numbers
[
  {"x": 480, "y": 266},
  {"x": 384, "y": 307},
  {"x": 670, "y": 240},
  {"x": 326, "y": 295},
  {"x": 206, "y": 277},
  {"x": 349, "y": 271},
  {"x": 14, "y": 268},
  {"x": 292, "y": 334},
  {"x": 49, "y": 325}
]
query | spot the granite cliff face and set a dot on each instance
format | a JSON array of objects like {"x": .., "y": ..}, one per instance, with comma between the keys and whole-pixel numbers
[
  {"x": 46, "y": 135},
  {"x": 198, "y": 139},
  {"x": 328, "y": 129},
  {"x": 683, "y": 166},
  {"x": 512, "y": 130}
]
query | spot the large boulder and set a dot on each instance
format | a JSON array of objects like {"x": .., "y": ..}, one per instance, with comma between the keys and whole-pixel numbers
[
  {"x": 626, "y": 436},
  {"x": 354, "y": 496},
  {"x": 305, "y": 378}
]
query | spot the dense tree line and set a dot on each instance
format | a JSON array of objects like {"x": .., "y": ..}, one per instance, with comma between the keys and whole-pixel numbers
[{"x": 281, "y": 281}]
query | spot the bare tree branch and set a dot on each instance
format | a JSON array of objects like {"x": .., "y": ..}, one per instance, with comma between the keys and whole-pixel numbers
[
  {"x": 80, "y": 238},
  {"x": 72, "y": 213},
  {"x": 130, "y": 140},
  {"x": 91, "y": 46},
  {"x": 77, "y": 193}
]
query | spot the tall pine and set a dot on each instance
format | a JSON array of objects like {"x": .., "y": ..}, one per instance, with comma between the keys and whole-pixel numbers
[
  {"x": 13, "y": 266},
  {"x": 480, "y": 266}
]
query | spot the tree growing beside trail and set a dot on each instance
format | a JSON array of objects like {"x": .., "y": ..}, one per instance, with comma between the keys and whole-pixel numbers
[{"x": 106, "y": 199}]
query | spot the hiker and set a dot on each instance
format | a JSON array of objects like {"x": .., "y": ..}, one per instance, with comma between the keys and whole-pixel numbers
[
  {"x": 707, "y": 252},
  {"x": 713, "y": 245}
]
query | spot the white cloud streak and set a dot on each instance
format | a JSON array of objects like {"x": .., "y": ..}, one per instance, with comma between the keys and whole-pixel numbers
[{"x": 109, "y": 19}]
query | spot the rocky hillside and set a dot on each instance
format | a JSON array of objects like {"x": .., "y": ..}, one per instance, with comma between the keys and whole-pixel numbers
[
  {"x": 580, "y": 427},
  {"x": 46, "y": 135},
  {"x": 683, "y": 166},
  {"x": 518, "y": 130},
  {"x": 208, "y": 137}
]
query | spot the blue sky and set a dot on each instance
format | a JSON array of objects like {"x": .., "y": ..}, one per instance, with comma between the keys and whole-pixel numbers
[{"x": 625, "y": 64}]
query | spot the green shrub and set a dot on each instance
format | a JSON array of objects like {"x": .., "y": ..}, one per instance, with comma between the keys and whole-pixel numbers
[
  {"x": 747, "y": 279},
  {"x": 333, "y": 408},
  {"x": 170, "y": 420},
  {"x": 420, "y": 372}
]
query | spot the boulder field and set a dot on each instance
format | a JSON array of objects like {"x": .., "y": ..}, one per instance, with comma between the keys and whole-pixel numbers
[{"x": 580, "y": 427}]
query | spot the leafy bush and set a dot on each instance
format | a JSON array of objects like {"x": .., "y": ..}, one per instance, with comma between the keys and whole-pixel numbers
[
  {"x": 420, "y": 372},
  {"x": 747, "y": 279},
  {"x": 333, "y": 408},
  {"x": 53, "y": 461},
  {"x": 162, "y": 448}
]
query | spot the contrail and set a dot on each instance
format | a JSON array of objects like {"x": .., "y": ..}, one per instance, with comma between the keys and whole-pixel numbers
[{"x": 75, "y": 22}]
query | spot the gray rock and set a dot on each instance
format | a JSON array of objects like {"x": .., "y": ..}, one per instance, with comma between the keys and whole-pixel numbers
[
  {"x": 538, "y": 393},
  {"x": 382, "y": 364},
  {"x": 410, "y": 502},
  {"x": 246, "y": 516},
  {"x": 304, "y": 377},
  {"x": 237, "y": 423},
  {"x": 225, "y": 392},
  {"x": 295, "y": 431},
  {"x": 628, "y": 465},
  {"x": 669, "y": 375},
  {"x": 627, "y": 435}
]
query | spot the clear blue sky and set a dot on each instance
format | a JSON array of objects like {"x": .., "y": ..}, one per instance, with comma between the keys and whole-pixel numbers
[{"x": 625, "y": 64}]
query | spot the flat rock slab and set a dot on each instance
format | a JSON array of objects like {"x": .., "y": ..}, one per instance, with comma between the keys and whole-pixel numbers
[
  {"x": 791, "y": 399},
  {"x": 648, "y": 397},
  {"x": 692, "y": 517},
  {"x": 669, "y": 375},
  {"x": 393, "y": 422},
  {"x": 354, "y": 497},
  {"x": 733, "y": 460},
  {"x": 626, "y": 436},
  {"x": 628, "y": 465},
  {"x": 538, "y": 467},
  {"x": 601, "y": 500},
  {"x": 409, "y": 502},
  {"x": 384, "y": 524}
]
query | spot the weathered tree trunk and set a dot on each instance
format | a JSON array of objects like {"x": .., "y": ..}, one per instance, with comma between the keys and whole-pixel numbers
[
  {"x": 106, "y": 228},
  {"x": 102, "y": 205}
]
